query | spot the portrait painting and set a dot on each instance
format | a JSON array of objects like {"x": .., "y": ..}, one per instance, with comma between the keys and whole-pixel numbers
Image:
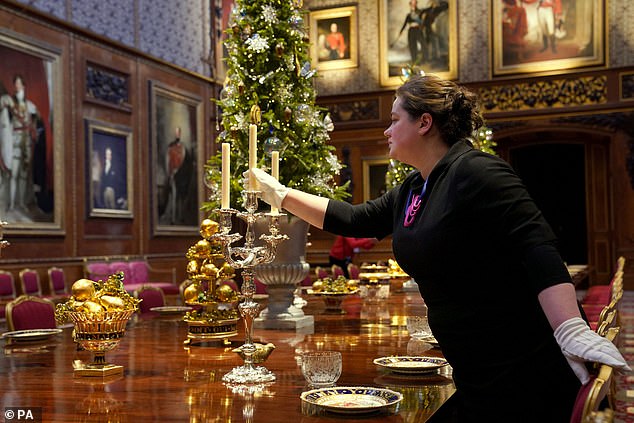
[
  {"x": 176, "y": 130},
  {"x": 374, "y": 173},
  {"x": 530, "y": 36},
  {"x": 109, "y": 149},
  {"x": 333, "y": 38},
  {"x": 417, "y": 36},
  {"x": 30, "y": 136}
]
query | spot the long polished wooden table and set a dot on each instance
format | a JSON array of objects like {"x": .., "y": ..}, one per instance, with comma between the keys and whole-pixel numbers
[{"x": 165, "y": 380}]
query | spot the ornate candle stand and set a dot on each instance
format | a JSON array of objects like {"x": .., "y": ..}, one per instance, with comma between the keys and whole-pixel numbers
[{"x": 246, "y": 258}]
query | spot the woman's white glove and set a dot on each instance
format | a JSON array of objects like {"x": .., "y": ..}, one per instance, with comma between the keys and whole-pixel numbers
[
  {"x": 271, "y": 190},
  {"x": 579, "y": 344}
]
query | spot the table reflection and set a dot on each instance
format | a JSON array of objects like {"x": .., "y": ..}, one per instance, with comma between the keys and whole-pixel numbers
[{"x": 165, "y": 380}]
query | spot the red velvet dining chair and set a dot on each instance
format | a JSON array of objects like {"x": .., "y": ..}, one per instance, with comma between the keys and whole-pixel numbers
[
  {"x": 592, "y": 394},
  {"x": 7, "y": 292},
  {"x": 353, "y": 271},
  {"x": 28, "y": 312},
  {"x": 601, "y": 387},
  {"x": 57, "y": 281},
  {"x": 321, "y": 273},
  {"x": 336, "y": 271},
  {"x": 30, "y": 282},
  {"x": 7, "y": 286},
  {"x": 150, "y": 296}
]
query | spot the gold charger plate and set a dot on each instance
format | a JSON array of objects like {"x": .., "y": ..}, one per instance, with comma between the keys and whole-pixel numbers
[
  {"x": 411, "y": 364},
  {"x": 171, "y": 309},
  {"x": 352, "y": 399},
  {"x": 31, "y": 335}
]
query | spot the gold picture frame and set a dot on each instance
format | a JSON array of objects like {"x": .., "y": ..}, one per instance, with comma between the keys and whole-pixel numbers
[
  {"x": 109, "y": 170},
  {"x": 333, "y": 38},
  {"x": 221, "y": 20},
  {"x": 32, "y": 203},
  {"x": 177, "y": 144},
  {"x": 433, "y": 49},
  {"x": 573, "y": 36},
  {"x": 374, "y": 172}
]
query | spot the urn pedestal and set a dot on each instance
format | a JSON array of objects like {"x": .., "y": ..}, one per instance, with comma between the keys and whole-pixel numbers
[{"x": 282, "y": 276}]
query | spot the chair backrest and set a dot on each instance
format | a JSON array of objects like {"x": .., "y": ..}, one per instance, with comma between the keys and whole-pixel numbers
[
  {"x": 321, "y": 272},
  {"x": 28, "y": 312},
  {"x": 57, "y": 281},
  {"x": 260, "y": 287},
  {"x": 601, "y": 386},
  {"x": 30, "y": 281},
  {"x": 353, "y": 271},
  {"x": 7, "y": 286},
  {"x": 97, "y": 271},
  {"x": 121, "y": 266},
  {"x": 139, "y": 272},
  {"x": 151, "y": 296},
  {"x": 336, "y": 271},
  {"x": 608, "y": 318},
  {"x": 307, "y": 281}
]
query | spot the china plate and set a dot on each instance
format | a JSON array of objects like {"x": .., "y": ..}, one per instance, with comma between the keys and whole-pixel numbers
[
  {"x": 31, "y": 334},
  {"x": 411, "y": 364},
  {"x": 351, "y": 399},
  {"x": 171, "y": 309}
]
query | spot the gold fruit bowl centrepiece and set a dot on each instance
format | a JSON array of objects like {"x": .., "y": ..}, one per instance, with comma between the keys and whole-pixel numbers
[
  {"x": 99, "y": 311},
  {"x": 333, "y": 291},
  {"x": 99, "y": 333}
]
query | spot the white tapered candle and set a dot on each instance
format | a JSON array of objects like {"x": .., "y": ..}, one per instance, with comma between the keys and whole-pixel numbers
[
  {"x": 275, "y": 172},
  {"x": 226, "y": 171},
  {"x": 253, "y": 153}
]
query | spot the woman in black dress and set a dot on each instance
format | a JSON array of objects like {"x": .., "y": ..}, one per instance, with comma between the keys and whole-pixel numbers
[{"x": 465, "y": 228}]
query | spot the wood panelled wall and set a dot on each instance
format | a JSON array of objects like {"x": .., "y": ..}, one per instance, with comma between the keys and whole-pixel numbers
[
  {"x": 81, "y": 235},
  {"x": 602, "y": 122}
]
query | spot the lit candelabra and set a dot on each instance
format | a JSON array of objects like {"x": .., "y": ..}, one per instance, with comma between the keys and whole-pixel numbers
[{"x": 247, "y": 257}]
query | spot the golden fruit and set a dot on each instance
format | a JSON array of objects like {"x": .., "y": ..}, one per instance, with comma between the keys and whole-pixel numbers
[
  {"x": 209, "y": 269},
  {"x": 191, "y": 293},
  {"x": 83, "y": 289},
  {"x": 208, "y": 228},
  {"x": 92, "y": 307},
  {"x": 318, "y": 286},
  {"x": 77, "y": 305},
  {"x": 226, "y": 271},
  {"x": 203, "y": 248},
  {"x": 352, "y": 283},
  {"x": 111, "y": 303},
  {"x": 225, "y": 293},
  {"x": 192, "y": 267}
]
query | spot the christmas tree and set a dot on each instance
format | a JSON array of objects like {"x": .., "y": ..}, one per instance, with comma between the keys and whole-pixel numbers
[{"x": 268, "y": 66}]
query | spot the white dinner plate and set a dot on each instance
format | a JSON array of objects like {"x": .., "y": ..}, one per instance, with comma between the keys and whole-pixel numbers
[
  {"x": 31, "y": 334},
  {"x": 352, "y": 399},
  {"x": 171, "y": 309},
  {"x": 411, "y": 364}
]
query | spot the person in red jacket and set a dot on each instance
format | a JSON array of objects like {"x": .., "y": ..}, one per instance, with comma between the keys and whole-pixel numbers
[{"x": 343, "y": 250}]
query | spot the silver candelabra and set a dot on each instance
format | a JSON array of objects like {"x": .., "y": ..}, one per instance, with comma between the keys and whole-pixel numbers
[{"x": 247, "y": 257}]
